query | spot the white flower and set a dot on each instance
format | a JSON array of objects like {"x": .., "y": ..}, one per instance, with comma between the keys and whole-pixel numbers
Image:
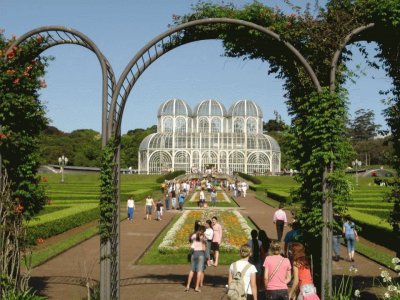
[
  {"x": 395, "y": 260},
  {"x": 397, "y": 268},
  {"x": 357, "y": 293},
  {"x": 353, "y": 269},
  {"x": 387, "y": 296},
  {"x": 392, "y": 288}
]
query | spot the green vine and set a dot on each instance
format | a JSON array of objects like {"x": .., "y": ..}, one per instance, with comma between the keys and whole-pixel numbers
[{"x": 108, "y": 191}]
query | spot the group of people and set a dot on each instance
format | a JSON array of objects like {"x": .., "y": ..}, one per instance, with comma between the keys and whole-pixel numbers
[
  {"x": 348, "y": 232},
  {"x": 206, "y": 238},
  {"x": 268, "y": 271},
  {"x": 150, "y": 205}
]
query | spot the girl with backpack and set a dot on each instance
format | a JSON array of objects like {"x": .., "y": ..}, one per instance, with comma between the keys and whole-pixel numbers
[
  {"x": 302, "y": 277},
  {"x": 242, "y": 277}
]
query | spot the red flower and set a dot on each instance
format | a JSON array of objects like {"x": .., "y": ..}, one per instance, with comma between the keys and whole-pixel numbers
[
  {"x": 39, "y": 241},
  {"x": 289, "y": 24},
  {"x": 16, "y": 81},
  {"x": 2, "y": 136},
  {"x": 28, "y": 68},
  {"x": 19, "y": 209},
  {"x": 26, "y": 73},
  {"x": 39, "y": 38},
  {"x": 10, "y": 54},
  {"x": 293, "y": 15},
  {"x": 43, "y": 84}
]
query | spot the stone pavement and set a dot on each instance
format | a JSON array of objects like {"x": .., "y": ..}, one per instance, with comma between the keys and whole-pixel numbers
[{"x": 64, "y": 276}]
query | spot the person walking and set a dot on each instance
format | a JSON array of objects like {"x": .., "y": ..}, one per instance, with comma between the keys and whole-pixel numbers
[
  {"x": 167, "y": 199},
  {"x": 217, "y": 239},
  {"x": 256, "y": 254},
  {"x": 336, "y": 236},
  {"x": 277, "y": 274},
  {"x": 159, "y": 208},
  {"x": 173, "y": 198},
  {"x": 202, "y": 198},
  {"x": 280, "y": 220},
  {"x": 130, "y": 205},
  {"x": 181, "y": 200},
  {"x": 248, "y": 273},
  {"x": 149, "y": 207},
  {"x": 351, "y": 236},
  {"x": 197, "y": 260},
  {"x": 213, "y": 197},
  {"x": 302, "y": 277}
]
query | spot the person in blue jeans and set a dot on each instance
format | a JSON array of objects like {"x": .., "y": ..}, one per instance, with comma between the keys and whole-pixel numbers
[
  {"x": 351, "y": 236},
  {"x": 336, "y": 236}
]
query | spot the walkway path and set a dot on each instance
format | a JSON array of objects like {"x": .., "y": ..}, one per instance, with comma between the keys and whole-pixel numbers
[{"x": 63, "y": 277}]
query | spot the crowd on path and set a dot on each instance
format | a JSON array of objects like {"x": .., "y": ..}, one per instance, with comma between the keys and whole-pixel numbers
[{"x": 265, "y": 268}]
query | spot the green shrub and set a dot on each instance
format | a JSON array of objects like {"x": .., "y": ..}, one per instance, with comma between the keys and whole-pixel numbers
[
  {"x": 170, "y": 176},
  {"x": 49, "y": 229},
  {"x": 248, "y": 177}
]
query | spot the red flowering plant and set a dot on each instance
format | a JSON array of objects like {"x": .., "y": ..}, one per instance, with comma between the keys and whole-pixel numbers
[{"x": 22, "y": 118}]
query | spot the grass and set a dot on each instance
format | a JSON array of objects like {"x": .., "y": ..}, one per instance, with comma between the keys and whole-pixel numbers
[
  {"x": 42, "y": 254},
  {"x": 378, "y": 256}
]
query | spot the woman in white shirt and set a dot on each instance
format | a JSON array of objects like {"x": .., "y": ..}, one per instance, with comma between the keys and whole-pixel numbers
[
  {"x": 249, "y": 277},
  {"x": 209, "y": 233}
]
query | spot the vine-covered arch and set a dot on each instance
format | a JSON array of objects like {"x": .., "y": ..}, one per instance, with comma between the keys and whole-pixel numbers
[
  {"x": 59, "y": 35},
  {"x": 172, "y": 39}
]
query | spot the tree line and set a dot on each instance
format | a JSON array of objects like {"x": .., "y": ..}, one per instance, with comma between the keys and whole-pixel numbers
[{"x": 83, "y": 146}]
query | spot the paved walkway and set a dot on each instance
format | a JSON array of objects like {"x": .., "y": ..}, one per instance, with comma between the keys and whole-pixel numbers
[{"x": 63, "y": 277}]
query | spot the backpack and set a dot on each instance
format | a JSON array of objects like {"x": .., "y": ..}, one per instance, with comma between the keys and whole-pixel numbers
[{"x": 237, "y": 290}]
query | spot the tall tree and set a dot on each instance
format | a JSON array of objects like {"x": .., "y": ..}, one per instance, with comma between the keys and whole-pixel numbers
[{"x": 363, "y": 126}]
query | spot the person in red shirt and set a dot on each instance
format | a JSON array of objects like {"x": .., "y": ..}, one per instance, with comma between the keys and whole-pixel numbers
[{"x": 302, "y": 277}]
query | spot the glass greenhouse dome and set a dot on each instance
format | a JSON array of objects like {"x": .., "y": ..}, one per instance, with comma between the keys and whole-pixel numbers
[{"x": 209, "y": 138}]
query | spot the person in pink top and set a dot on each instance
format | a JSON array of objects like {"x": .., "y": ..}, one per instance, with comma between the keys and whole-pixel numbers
[
  {"x": 276, "y": 274},
  {"x": 302, "y": 277},
  {"x": 280, "y": 220},
  {"x": 217, "y": 238}
]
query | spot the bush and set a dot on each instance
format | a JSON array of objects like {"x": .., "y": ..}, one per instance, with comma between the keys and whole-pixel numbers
[
  {"x": 49, "y": 229},
  {"x": 170, "y": 176},
  {"x": 249, "y": 178}
]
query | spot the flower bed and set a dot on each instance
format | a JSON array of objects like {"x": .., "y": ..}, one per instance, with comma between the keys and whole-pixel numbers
[
  {"x": 221, "y": 196},
  {"x": 236, "y": 231}
]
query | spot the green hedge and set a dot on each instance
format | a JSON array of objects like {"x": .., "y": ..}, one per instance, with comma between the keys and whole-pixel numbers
[
  {"x": 49, "y": 229},
  {"x": 170, "y": 176},
  {"x": 249, "y": 178}
]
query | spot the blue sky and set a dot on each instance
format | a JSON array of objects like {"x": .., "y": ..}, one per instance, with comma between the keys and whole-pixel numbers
[{"x": 193, "y": 72}]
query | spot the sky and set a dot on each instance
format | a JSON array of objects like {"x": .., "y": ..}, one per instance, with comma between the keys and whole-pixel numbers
[{"x": 193, "y": 72}]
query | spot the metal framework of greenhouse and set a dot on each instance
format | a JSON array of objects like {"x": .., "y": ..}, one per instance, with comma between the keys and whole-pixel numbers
[
  {"x": 115, "y": 95},
  {"x": 210, "y": 138}
]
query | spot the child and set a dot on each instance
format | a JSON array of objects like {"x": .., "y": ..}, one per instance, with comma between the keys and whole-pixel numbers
[{"x": 159, "y": 207}]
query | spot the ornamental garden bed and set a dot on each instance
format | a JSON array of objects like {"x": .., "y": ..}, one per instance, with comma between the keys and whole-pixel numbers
[
  {"x": 172, "y": 246},
  {"x": 223, "y": 200}
]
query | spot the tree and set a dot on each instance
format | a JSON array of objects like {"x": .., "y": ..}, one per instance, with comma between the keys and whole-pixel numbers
[
  {"x": 22, "y": 118},
  {"x": 363, "y": 126},
  {"x": 275, "y": 124}
]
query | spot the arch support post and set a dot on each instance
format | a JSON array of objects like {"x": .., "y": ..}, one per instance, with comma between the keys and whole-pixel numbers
[{"x": 326, "y": 247}]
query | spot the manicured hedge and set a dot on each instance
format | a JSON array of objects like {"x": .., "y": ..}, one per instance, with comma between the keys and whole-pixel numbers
[
  {"x": 48, "y": 229},
  {"x": 170, "y": 176},
  {"x": 249, "y": 178}
]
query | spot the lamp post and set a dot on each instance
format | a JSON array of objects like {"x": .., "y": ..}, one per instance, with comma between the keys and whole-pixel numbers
[
  {"x": 356, "y": 163},
  {"x": 62, "y": 162}
]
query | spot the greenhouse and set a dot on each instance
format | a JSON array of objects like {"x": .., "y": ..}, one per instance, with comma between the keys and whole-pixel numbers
[{"x": 209, "y": 139}]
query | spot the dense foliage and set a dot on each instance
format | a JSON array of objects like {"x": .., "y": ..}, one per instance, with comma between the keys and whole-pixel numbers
[
  {"x": 320, "y": 148},
  {"x": 83, "y": 146},
  {"x": 22, "y": 118}
]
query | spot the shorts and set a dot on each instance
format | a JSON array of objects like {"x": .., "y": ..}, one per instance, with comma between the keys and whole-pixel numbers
[
  {"x": 214, "y": 246},
  {"x": 198, "y": 261},
  {"x": 149, "y": 209}
]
